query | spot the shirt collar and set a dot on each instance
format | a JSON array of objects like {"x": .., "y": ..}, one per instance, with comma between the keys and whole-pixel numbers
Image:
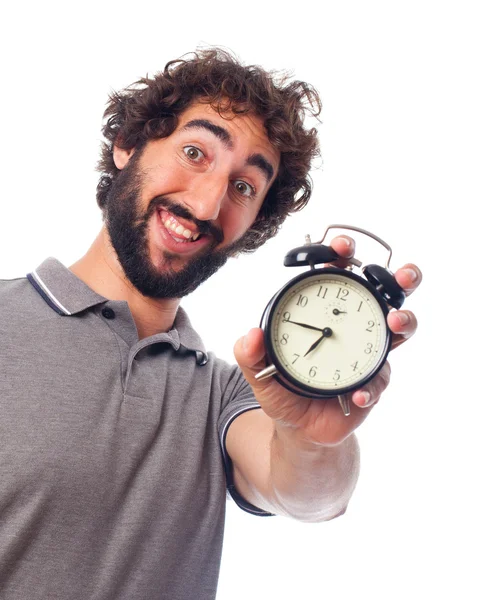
[{"x": 67, "y": 295}]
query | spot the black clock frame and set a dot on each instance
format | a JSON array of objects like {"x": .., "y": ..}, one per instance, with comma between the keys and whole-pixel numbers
[{"x": 282, "y": 376}]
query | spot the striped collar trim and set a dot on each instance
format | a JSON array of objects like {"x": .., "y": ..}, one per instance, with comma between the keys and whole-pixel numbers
[
  {"x": 67, "y": 295},
  {"x": 61, "y": 289},
  {"x": 37, "y": 282}
]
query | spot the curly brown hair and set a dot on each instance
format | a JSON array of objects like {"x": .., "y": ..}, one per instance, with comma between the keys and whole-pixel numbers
[{"x": 149, "y": 109}]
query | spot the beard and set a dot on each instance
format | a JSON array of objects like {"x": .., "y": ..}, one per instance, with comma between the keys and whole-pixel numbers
[{"x": 128, "y": 230}]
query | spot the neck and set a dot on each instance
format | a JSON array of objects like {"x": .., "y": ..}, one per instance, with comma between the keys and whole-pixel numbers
[{"x": 100, "y": 269}]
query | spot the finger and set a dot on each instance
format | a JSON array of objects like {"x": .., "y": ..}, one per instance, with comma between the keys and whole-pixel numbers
[
  {"x": 369, "y": 395},
  {"x": 345, "y": 247},
  {"x": 409, "y": 278},
  {"x": 403, "y": 323},
  {"x": 249, "y": 352}
]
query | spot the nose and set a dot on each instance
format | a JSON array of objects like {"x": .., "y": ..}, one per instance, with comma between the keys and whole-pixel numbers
[{"x": 207, "y": 197}]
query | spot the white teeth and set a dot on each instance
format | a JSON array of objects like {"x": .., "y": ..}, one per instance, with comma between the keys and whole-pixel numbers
[{"x": 175, "y": 227}]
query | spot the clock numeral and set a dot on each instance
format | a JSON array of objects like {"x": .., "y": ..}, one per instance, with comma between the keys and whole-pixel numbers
[
  {"x": 342, "y": 294},
  {"x": 368, "y": 349},
  {"x": 359, "y": 307},
  {"x": 337, "y": 375},
  {"x": 322, "y": 292},
  {"x": 355, "y": 365},
  {"x": 286, "y": 317},
  {"x": 297, "y": 356},
  {"x": 312, "y": 372},
  {"x": 370, "y": 326},
  {"x": 284, "y": 339},
  {"x": 302, "y": 301}
]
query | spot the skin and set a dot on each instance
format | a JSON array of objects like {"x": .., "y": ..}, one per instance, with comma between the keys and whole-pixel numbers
[
  {"x": 296, "y": 456},
  {"x": 206, "y": 185}
]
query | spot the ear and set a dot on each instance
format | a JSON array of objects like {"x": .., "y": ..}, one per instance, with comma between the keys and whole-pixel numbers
[{"x": 121, "y": 156}]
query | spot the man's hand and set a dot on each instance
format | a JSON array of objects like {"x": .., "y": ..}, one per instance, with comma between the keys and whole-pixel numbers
[{"x": 322, "y": 422}]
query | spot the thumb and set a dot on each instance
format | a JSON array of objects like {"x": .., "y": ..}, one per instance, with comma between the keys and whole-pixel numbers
[{"x": 249, "y": 353}]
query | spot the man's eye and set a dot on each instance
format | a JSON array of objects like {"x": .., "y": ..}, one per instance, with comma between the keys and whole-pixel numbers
[
  {"x": 244, "y": 188},
  {"x": 193, "y": 153}
]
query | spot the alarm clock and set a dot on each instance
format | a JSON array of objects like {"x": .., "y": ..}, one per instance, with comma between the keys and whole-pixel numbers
[{"x": 325, "y": 331}]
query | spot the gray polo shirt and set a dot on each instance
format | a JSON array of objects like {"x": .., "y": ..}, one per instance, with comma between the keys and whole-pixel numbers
[{"x": 112, "y": 474}]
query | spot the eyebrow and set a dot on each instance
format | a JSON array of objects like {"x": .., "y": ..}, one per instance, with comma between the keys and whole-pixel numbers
[
  {"x": 255, "y": 160},
  {"x": 221, "y": 133},
  {"x": 259, "y": 161}
]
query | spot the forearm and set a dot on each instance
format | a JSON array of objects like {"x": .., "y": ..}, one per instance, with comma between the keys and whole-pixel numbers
[{"x": 311, "y": 482}]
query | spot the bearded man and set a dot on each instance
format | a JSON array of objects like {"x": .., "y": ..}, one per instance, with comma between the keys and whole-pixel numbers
[{"x": 120, "y": 433}]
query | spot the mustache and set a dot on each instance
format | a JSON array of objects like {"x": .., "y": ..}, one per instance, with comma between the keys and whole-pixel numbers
[{"x": 178, "y": 210}]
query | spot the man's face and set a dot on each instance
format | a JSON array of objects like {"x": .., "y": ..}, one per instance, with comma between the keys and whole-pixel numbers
[{"x": 182, "y": 204}]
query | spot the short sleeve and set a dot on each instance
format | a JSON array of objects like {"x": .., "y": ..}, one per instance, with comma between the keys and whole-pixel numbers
[{"x": 238, "y": 398}]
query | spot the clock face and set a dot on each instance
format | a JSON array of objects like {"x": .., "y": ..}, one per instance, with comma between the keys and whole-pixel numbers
[{"x": 327, "y": 332}]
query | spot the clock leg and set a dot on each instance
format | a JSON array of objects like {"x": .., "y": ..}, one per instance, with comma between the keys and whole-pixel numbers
[
  {"x": 344, "y": 402},
  {"x": 266, "y": 372}
]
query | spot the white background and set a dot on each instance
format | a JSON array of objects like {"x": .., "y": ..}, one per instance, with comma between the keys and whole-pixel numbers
[{"x": 409, "y": 138}]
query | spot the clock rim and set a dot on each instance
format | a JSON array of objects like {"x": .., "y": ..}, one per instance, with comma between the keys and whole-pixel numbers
[{"x": 282, "y": 375}]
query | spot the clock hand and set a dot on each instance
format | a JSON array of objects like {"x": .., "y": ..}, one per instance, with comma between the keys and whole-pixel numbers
[
  {"x": 315, "y": 344},
  {"x": 326, "y": 332},
  {"x": 336, "y": 311},
  {"x": 303, "y": 325}
]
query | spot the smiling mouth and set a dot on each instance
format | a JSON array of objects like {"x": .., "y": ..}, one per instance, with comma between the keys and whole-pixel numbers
[{"x": 177, "y": 231}]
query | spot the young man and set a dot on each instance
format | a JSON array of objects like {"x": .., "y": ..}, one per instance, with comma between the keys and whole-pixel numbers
[{"x": 119, "y": 432}]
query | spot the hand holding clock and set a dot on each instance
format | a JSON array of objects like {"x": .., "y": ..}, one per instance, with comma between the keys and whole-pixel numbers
[{"x": 320, "y": 421}]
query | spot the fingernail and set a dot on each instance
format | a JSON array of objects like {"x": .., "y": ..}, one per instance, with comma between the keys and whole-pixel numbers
[
  {"x": 348, "y": 243},
  {"x": 403, "y": 318},
  {"x": 412, "y": 274},
  {"x": 366, "y": 398},
  {"x": 244, "y": 343}
]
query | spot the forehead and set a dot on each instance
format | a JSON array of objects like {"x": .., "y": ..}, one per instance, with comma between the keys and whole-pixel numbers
[{"x": 246, "y": 132}]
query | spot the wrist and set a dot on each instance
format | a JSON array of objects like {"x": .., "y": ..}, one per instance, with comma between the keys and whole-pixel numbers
[
  {"x": 302, "y": 440},
  {"x": 312, "y": 481}
]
